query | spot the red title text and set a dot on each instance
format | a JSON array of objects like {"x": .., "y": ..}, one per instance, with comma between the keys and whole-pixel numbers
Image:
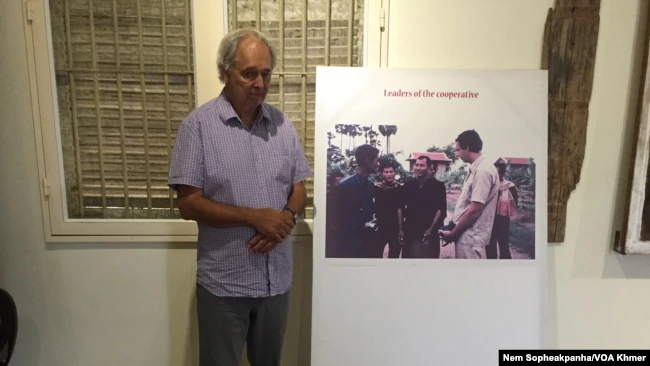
[{"x": 426, "y": 93}]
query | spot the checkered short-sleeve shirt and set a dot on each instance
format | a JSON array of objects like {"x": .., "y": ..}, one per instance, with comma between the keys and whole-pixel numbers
[{"x": 243, "y": 167}]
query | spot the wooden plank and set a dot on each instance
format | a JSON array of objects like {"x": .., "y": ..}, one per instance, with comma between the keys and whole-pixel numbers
[{"x": 569, "y": 52}]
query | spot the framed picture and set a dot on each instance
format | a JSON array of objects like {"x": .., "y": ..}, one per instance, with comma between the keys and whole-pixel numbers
[{"x": 635, "y": 235}]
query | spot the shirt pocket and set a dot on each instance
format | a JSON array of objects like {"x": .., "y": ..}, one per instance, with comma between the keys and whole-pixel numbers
[
  {"x": 223, "y": 177},
  {"x": 280, "y": 166}
]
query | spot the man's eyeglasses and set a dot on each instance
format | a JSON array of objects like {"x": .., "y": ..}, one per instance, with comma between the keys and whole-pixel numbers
[{"x": 253, "y": 74}]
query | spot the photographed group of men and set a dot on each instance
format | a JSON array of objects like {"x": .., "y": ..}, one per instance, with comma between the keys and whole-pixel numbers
[
  {"x": 238, "y": 169},
  {"x": 364, "y": 217}
]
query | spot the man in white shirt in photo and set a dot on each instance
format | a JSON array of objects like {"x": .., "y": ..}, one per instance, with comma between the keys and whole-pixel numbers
[{"x": 476, "y": 205}]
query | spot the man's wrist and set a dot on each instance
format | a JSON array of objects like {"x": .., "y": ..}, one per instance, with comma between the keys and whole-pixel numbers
[
  {"x": 293, "y": 213},
  {"x": 454, "y": 232},
  {"x": 249, "y": 216}
]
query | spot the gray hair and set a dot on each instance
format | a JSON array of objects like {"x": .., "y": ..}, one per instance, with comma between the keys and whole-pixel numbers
[{"x": 228, "y": 49}]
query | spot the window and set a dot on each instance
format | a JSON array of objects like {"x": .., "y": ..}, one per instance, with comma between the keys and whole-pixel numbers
[
  {"x": 115, "y": 78},
  {"x": 306, "y": 34},
  {"x": 125, "y": 80}
]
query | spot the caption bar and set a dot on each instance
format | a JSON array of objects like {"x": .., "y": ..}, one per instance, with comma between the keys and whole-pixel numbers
[{"x": 571, "y": 357}]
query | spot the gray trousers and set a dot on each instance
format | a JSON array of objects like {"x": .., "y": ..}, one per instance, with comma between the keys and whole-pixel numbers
[{"x": 227, "y": 323}]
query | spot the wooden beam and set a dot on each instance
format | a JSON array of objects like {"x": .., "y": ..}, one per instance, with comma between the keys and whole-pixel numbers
[{"x": 569, "y": 52}]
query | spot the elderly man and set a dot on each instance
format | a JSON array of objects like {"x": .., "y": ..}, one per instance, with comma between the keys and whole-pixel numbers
[
  {"x": 238, "y": 169},
  {"x": 476, "y": 205}
]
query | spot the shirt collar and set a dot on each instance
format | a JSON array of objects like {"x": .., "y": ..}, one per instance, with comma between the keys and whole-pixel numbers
[
  {"x": 476, "y": 163},
  {"x": 359, "y": 179},
  {"x": 227, "y": 112}
]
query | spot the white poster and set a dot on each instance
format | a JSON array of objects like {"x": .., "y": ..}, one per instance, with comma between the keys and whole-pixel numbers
[{"x": 430, "y": 225}]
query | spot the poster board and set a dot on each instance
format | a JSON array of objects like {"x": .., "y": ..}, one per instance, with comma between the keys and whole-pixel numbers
[{"x": 426, "y": 306}]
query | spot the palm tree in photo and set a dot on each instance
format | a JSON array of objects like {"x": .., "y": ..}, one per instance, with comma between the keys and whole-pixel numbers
[
  {"x": 354, "y": 131},
  {"x": 341, "y": 130},
  {"x": 387, "y": 131}
]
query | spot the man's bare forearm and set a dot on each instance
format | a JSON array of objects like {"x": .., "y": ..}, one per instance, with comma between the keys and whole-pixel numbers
[
  {"x": 436, "y": 217},
  {"x": 297, "y": 197},
  {"x": 215, "y": 214}
]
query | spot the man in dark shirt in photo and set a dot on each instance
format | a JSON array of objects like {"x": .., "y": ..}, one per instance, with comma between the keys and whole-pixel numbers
[
  {"x": 386, "y": 206},
  {"x": 353, "y": 205},
  {"x": 424, "y": 212}
]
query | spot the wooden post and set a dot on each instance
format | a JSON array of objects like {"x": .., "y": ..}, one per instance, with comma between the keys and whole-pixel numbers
[{"x": 569, "y": 52}]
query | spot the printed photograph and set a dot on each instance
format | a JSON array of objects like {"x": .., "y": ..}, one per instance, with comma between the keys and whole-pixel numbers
[{"x": 407, "y": 193}]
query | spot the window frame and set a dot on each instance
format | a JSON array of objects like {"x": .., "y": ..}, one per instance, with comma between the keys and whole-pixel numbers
[{"x": 207, "y": 33}]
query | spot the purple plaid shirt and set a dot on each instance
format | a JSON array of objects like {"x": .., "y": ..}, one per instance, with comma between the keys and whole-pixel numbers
[{"x": 247, "y": 168}]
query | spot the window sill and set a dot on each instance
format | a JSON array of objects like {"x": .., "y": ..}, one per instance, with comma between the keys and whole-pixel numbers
[{"x": 303, "y": 230}]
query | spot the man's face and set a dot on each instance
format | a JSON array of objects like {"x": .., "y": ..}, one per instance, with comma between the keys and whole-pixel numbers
[
  {"x": 250, "y": 77},
  {"x": 388, "y": 174},
  {"x": 420, "y": 169},
  {"x": 462, "y": 154},
  {"x": 373, "y": 164}
]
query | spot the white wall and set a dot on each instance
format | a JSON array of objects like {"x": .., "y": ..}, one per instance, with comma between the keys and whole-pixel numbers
[
  {"x": 601, "y": 297},
  {"x": 122, "y": 304},
  {"x": 598, "y": 299}
]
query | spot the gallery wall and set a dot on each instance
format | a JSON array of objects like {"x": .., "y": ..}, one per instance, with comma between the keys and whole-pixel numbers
[
  {"x": 596, "y": 296},
  {"x": 88, "y": 304}
]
